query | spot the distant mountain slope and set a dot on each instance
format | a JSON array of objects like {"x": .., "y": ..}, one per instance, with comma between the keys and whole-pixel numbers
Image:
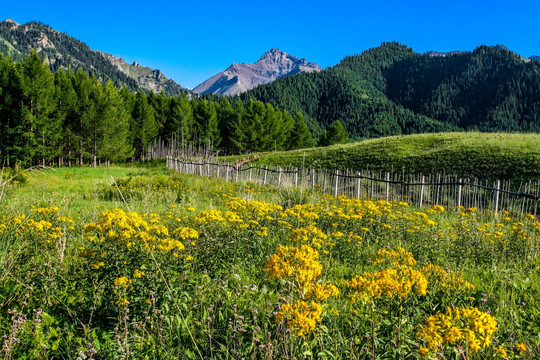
[
  {"x": 392, "y": 90},
  {"x": 61, "y": 50},
  {"x": 238, "y": 78}
]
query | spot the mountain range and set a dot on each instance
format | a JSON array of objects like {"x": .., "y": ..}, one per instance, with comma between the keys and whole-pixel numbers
[
  {"x": 61, "y": 50},
  {"x": 239, "y": 78},
  {"x": 386, "y": 90}
]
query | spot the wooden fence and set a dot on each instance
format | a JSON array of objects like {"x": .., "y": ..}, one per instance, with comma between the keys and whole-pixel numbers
[{"x": 419, "y": 190}]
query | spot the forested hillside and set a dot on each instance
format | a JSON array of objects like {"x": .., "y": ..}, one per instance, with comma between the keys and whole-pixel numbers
[
  {"x": 392, "y": 90},
  {"x": 60, "y": 50},
  {"x": 71, "y": 118}
]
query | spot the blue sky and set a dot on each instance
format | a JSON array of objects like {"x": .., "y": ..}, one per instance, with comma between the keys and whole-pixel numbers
[{"x": 191, "y": 41}]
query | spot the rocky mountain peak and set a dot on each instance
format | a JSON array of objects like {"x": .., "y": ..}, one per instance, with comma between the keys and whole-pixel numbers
[
  {"x": 276, "y": 55},
  {"x": 11, "y": 22},
  {"x": 240, "y": 77}
]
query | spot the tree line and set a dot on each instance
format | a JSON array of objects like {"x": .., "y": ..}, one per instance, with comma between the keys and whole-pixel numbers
[{"x": 71, "y": 118}]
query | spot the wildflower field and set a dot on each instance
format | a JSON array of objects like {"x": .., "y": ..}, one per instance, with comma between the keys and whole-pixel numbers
[{"x": 127, "y": 263}]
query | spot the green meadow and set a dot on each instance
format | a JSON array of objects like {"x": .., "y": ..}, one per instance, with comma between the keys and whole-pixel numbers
[{"x": 144, "y": 263}]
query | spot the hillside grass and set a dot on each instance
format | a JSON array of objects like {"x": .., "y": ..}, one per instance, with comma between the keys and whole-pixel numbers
[{"x": 465, "y": 154}]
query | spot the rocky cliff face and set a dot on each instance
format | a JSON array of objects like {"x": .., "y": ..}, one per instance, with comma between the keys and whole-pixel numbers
[
  {"x": 60, "y": 50},
  {"x": 147, "y": 78},
  {"x": 242, "y": 77}
]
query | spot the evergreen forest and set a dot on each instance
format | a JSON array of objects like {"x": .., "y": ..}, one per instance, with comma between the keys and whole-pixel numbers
[{"x": 73, "y": 118}]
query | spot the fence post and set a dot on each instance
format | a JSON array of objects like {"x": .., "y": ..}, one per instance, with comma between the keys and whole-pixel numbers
[
  {"x": 387, "y": 177},
  {"x": 459, "y": 193},
  {"x": 217, "y": 170},
  {"x": 336, "y": 186},
  {"x": 250, "y": 174},
  {"x": 537, "y": 199},
  {"x": 265, "y": 173},
  {"x": 295, "y": 176},
  {"x": 421, "y": 191},
  {"x": 497, "y": 194},
  {"x": 227, "y": 176},
  {"x": 358, "y": 184},
  {"x": 279, "y": 177},
  {"x": 438, "y": 189}
]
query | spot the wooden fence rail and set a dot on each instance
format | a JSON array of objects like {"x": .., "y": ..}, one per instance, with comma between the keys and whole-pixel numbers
[{"x": 420, "y": 190}]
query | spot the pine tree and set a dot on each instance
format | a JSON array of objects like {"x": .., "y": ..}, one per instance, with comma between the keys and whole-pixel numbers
[
  {"x": 300, "y": 137},
  {"x": 143, "y": 124},
  {"x": 206, "y": 121},
  {"x": 180, "y": 122},
  {"x": 65, "y": 112},
  {"x": 336, "y": 134},
  {"x": 160, "y": 104},
  {"x": 81, "y": 128},
  {"x": 41, "y": 131},
  {"x": 115, "y": 125},
  {"x": 226, "y": 117},
  {"x": 239, "y": 131},
  {"x": 12, "y": 144}
]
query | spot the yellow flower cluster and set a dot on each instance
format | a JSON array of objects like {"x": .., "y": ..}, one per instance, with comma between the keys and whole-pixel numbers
[
  {"x": 399, "y": 281},
  {"x": 303, "y": 213},
  {"x": 436, "y": 209},
  {"x": 131, "y": 229},
  {"x": 137, "y": 274},
  {"x": 309, "y": 235},
  {"x": 396, "y": 257},
  {"x": 301, "y": 265},
  {"x": 300, "y": 316},
  {"x": 122, "y": 281},
  {"x": 185, "y": 233},
  {"x": 471, "y": 328},
  {"x": 254, "y": 209},
  {"x": 295, "y": 263},
  {"x": 447, "y": 280},
  {"x": 211, "y": 215},
  {"x": 319, "y": 291},
  {"x": 43, "y": 228},
  {"x": 45, "y": 210}
]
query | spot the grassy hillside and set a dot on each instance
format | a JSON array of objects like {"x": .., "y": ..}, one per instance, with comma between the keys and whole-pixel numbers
[{"x": 492, "y": 155}]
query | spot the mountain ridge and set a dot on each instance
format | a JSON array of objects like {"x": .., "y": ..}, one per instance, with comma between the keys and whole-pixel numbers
[
  {"x": 240, "y": 77},
  {"x": 60, "y": 50},
  {"x": 392, "y": 90}
]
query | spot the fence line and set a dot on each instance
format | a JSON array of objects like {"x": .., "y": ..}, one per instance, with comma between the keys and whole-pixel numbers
[{"x": 420, "y": 190}]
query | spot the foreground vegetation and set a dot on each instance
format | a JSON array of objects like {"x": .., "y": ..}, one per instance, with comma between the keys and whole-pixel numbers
[
  {"x": 159, "y": 265},
  {"x": 471, "y": 154}
]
